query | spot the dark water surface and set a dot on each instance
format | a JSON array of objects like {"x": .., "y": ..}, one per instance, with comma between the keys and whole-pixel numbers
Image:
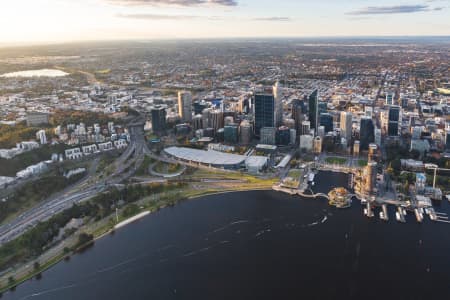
[{"x": 258, "y": 245}]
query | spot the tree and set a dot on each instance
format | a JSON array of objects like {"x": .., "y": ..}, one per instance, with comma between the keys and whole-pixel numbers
[{"x": 36, "y": 265}]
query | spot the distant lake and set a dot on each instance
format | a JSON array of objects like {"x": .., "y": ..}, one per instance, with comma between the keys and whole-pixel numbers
[{"x": 36, "y": 73}]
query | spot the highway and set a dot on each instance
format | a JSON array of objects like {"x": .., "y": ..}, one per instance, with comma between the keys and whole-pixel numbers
[{"x": 125, "y": 166}]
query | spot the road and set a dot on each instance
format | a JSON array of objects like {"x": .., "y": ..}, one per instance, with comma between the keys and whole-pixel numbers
[{"x": 124, "y": 167}]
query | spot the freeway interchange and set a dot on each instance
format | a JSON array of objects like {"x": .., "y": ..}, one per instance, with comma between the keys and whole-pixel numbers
[{"x": 124, "y": 167}]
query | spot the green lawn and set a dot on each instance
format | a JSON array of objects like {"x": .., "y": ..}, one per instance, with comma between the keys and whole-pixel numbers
[
  {"x": 294, "y": 173},
  {"x": 362, "y": 162},
  {"x": 336, "y": 160}
]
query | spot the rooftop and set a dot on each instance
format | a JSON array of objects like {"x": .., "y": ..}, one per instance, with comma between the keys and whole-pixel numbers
[{"x": 206, "y": 157}]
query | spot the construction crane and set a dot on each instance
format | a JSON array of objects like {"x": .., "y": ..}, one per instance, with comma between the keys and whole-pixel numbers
[{"x": 435, "y": 168}]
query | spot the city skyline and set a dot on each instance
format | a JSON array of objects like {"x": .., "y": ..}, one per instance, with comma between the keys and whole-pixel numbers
[{"x": 61, "y": 21}]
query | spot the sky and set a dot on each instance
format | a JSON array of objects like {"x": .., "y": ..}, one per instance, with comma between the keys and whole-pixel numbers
[{"x": 34, "y": 21}]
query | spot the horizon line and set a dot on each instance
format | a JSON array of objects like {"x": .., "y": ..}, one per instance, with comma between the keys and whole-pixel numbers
[{"x": 81, "y": 41}]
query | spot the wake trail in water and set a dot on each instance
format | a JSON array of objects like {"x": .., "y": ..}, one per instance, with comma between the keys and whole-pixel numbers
[
  {"x": 259, "y": 233},
  {"x": 229, "y": 225},
  {"x": 48, "y": 291}
]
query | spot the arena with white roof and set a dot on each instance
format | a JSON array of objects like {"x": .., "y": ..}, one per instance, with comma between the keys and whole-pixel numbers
[{"x": 216, "y": 159}]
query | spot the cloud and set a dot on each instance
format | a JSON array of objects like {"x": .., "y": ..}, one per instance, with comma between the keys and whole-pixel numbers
[
  {"x": 174, "y": 2},
  {"x": 156, "y": 17},
  {"x": 274, "y": 19},
  {"x": 398, "y": 9}
]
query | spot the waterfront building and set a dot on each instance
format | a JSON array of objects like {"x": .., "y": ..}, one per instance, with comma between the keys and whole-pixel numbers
[
  {"x": 185, "y": 106},
  {"x": 421, "y": 182},
  {"x": 264, "y": 108},
  {"x": 158, "y": 119},
  {"x": 370, "y": 178}
]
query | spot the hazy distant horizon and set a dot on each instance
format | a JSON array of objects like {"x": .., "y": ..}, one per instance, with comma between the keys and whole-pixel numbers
[
  {"x": 230, "y": 39},
  {"x": 44, "y": 21}
]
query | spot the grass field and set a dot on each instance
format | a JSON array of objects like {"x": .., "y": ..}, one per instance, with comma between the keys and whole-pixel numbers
[{"x": 336, "y": 160}]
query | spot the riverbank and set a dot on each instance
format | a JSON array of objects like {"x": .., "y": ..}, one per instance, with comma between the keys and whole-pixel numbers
[{"x": 147, "y": 205}]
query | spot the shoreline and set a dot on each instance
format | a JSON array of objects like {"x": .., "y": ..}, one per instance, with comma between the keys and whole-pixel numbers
[{"x": 58, "y": 258}]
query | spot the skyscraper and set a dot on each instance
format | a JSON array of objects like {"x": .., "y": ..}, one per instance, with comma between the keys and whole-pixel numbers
[
  {"x": 314, "y": 109},
  {"x": 393, "y": 121},
  {"x": 264, "y": 108},
  {"x": 278, "y": 96},
  {"x": 346, "y": 125},
  {"x": 245, "y": 132},
  {"x": 216, "y": 120},
  {"x": 298, "y": 111},
  {"x": 185, "y": 106},
  {"x": 231, "y": 134},
  {"x": 158, "y": 119},
  {"x": 366, "y": 133},
  {"x": 326, "y": 120}
]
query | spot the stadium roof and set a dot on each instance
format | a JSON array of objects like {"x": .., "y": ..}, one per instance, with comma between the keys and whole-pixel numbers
[{"x": 206, "y": 157}]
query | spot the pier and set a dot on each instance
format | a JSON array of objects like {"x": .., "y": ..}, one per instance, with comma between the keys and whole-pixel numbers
[
  {"x": 400, "y": 216},
  {"x": 419, "y": 215},
  {"x": 301, "y": 193},
  {"x": 384, "y": 213}
]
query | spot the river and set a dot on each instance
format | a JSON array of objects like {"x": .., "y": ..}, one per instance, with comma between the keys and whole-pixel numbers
[
  {"x": 257, "y": 245},
  {"x": 36, "y": 73}
]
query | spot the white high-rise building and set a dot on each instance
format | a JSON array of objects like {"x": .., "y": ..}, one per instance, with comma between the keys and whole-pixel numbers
[
  {"x": 41, "y": 136},
  {"x": 278, "y": 96},
  {"x": 346, "y": 125},
  {"x": 185, "y": 106}
]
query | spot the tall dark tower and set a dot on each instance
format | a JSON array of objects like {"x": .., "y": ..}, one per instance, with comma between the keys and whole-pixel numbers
[
  {"x": 393, "y": 121},
  {"x": 264, "y": 110},
  {"x": 158, "y": 119},
  {"x": 366, "y": 133},
  {"x": 314, "y": 109},
  {"x": 298, "y": 111}
]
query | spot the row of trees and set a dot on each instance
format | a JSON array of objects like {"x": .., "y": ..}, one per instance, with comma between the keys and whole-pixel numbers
[{"x": 35, "y": 241}]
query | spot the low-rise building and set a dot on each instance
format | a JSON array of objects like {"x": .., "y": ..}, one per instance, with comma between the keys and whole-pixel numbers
[{"x": 74, "y": 153}]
